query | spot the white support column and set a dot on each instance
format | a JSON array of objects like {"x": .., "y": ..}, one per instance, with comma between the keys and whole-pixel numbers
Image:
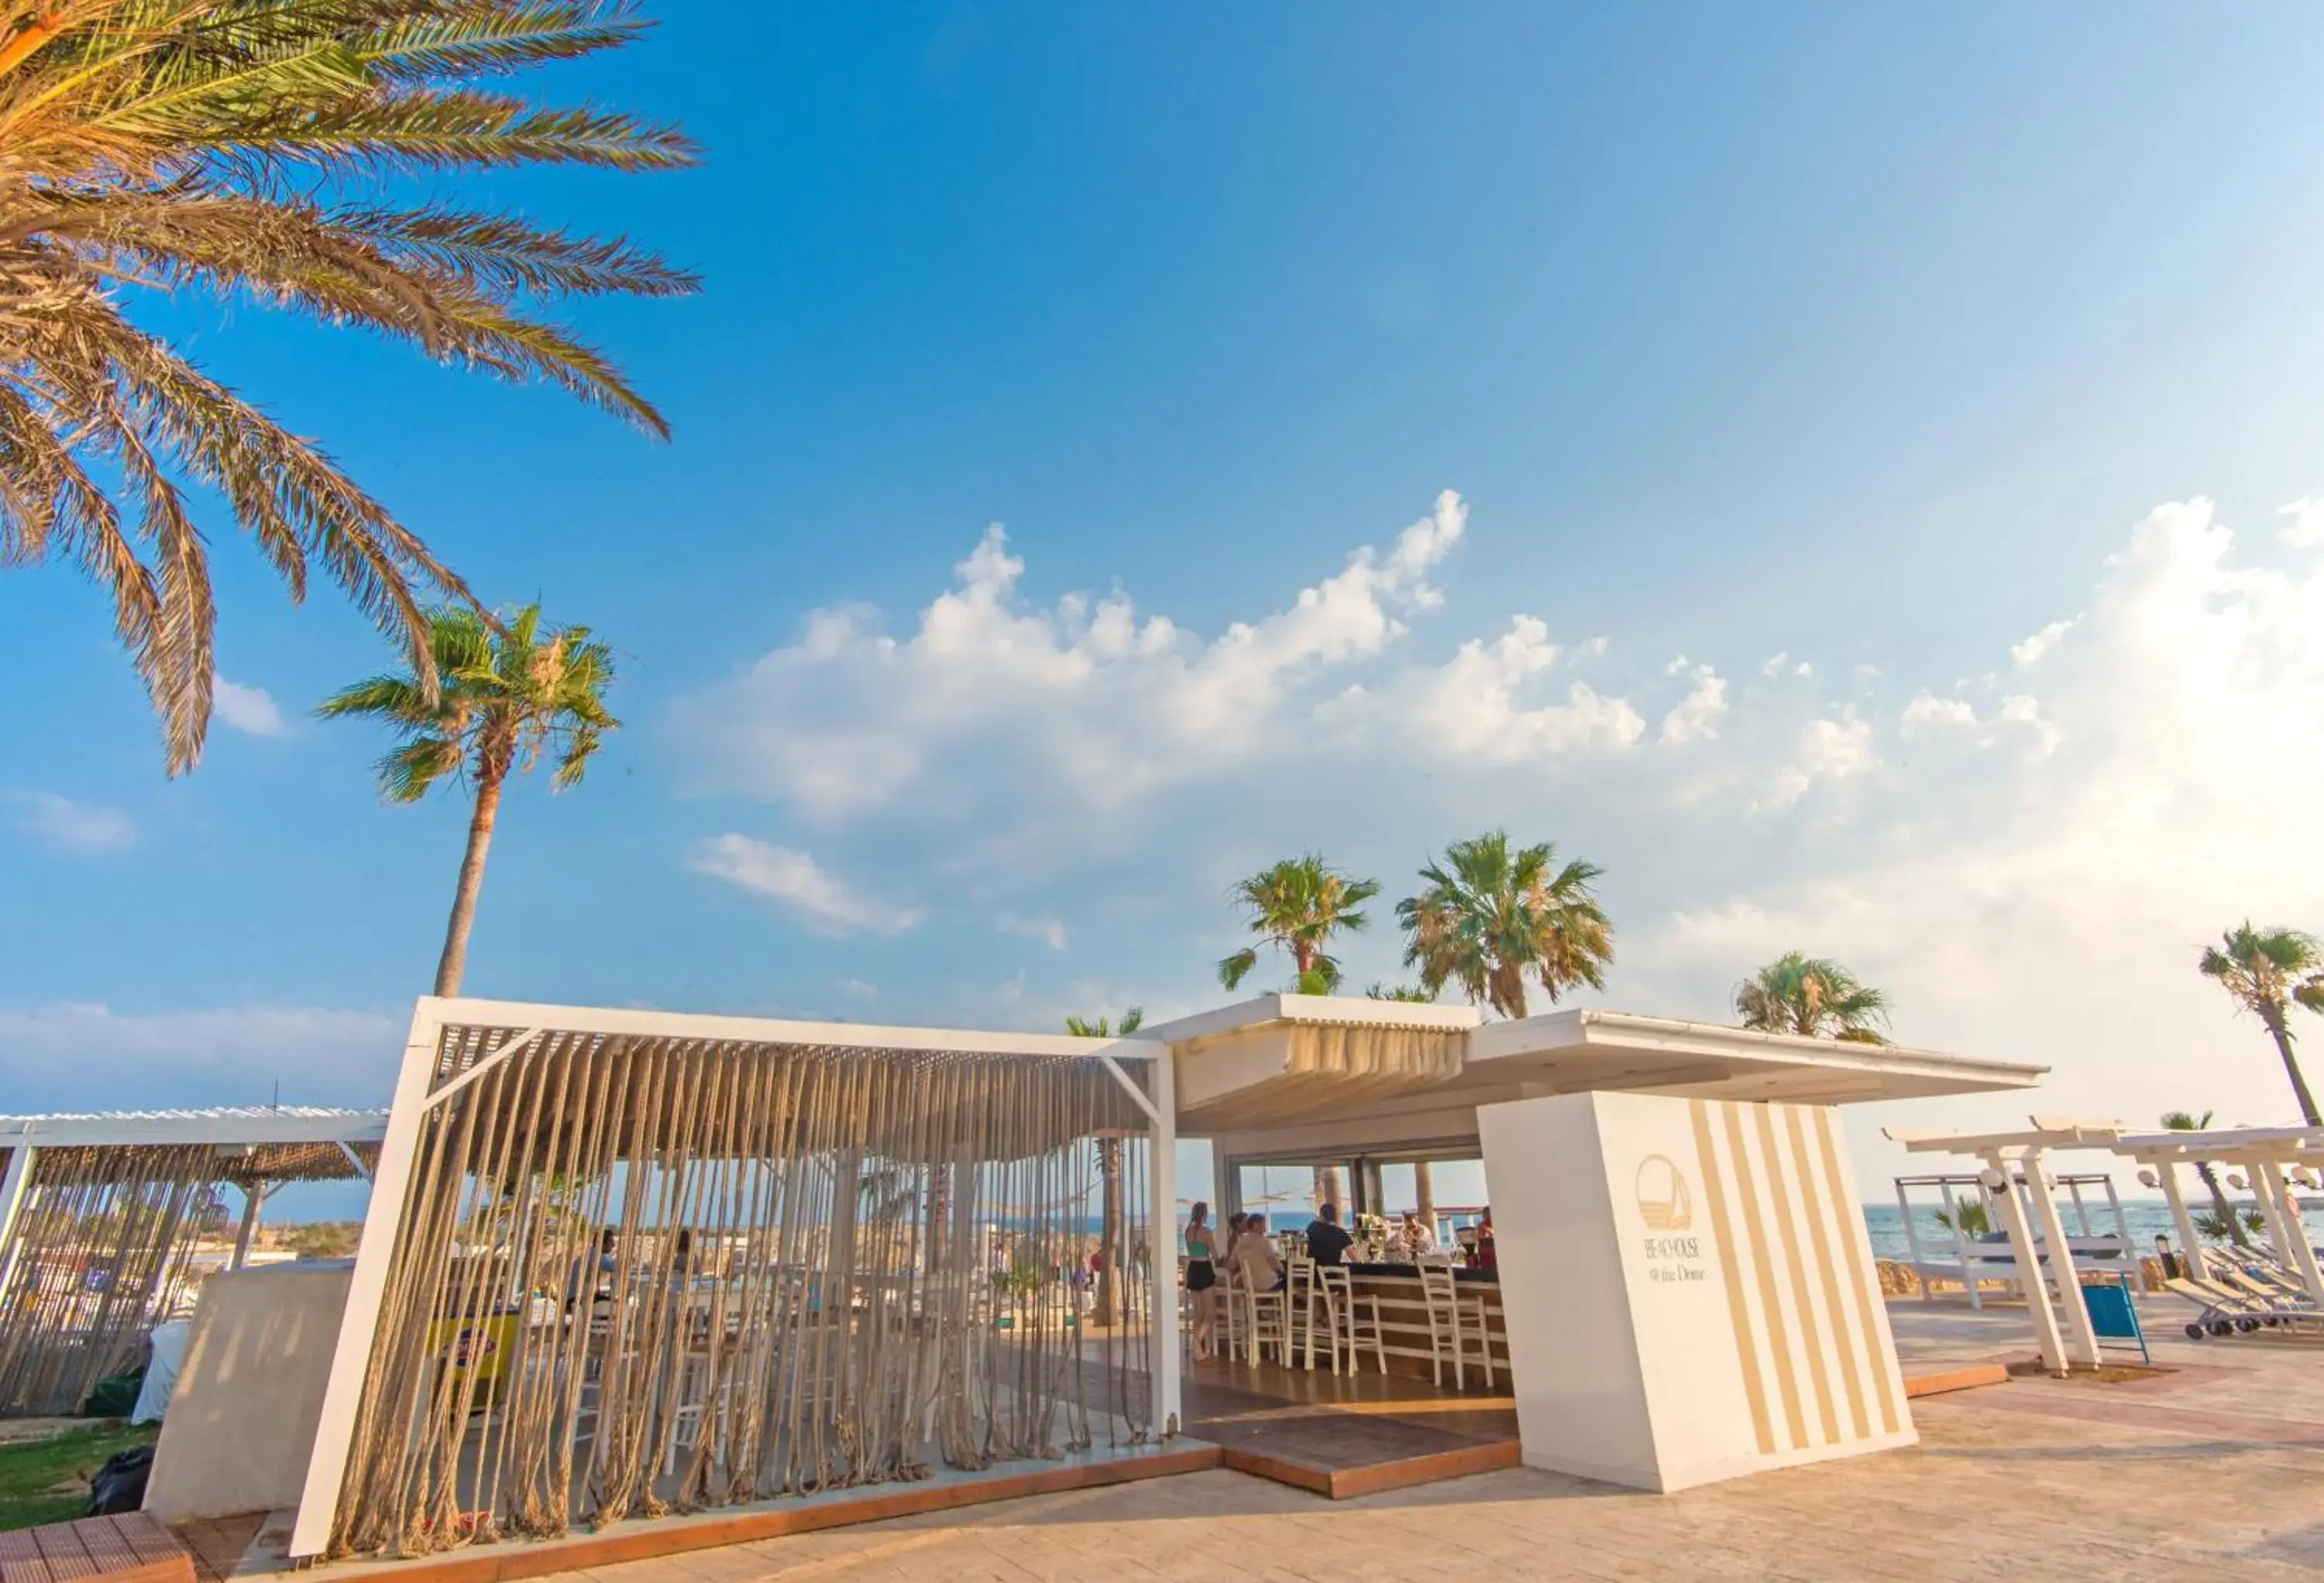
[
  {"x": 2074, "y": 1315},
  {"x": 2191, "y": 1244},
  {"x": 252, "y": 1198},
  {"x": 14, "y": 1189},
  {"x": 2021, "y": 1247},
  {"x": 1164, "y": 1238},
  {"x": 2292, "y": 1244},
  {"x": 335, "y": 1428}
]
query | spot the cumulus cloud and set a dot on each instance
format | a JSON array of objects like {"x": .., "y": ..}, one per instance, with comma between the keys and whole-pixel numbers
[
  {"x": 248, "y": 709},
  {"x": 1095, "y": 704},
  {"x": 2048, "y": 904},
  {"x": 2029, "y": 653},
  {"x": 1695, "y": 717},
  {"x": 67, "y": 826},
  {"x": 1834, "y": 748},
  {"x": 2306, "y": 528},
  {"x": 794, "y": 879}
]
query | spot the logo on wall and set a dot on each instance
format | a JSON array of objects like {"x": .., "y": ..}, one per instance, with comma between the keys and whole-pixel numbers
[{"x": 1664, "y": 1203}]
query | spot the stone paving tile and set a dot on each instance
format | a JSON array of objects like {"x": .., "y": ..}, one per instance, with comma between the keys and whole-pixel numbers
[{"x": 2028, "y": 1481}]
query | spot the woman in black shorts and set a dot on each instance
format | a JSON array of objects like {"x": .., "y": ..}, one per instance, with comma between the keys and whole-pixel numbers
[{"x": 1202, "y": 1276}]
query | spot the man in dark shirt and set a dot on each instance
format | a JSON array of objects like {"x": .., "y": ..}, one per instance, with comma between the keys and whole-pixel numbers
[{"x": 1325, "y": 1241}]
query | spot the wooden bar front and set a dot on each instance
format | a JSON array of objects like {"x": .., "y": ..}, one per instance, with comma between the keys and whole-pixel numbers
[{"x": 1404, "y": 1320}]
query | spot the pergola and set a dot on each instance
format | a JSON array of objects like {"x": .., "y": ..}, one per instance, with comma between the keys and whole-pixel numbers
[
  {"x": 100, "y": 1215},
  {"x": 2266, "y": 1154},
  {"x": 621, "y": 1261}
]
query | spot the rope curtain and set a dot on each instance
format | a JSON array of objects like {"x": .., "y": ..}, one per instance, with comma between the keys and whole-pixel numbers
[
  {"x": 641, "y": 1276},
  {"x": 104, "y": 1249}
]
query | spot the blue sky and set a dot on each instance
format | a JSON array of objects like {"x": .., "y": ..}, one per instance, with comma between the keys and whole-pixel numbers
[{"x": 1878, "y": 341}]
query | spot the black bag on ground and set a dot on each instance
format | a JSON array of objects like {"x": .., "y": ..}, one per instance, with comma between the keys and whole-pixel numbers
[{"x": 119, "y": 1485}]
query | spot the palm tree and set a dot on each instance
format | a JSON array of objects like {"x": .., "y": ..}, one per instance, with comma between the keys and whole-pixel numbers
[
  {"x": 507, "y": 697},
  {"x": 2266, "y": 970},
  {"x": 1409, "y": 992},
  {"x": 1297, "y": 905},
  {"x": 2224, "y": 1221},
  {"x": 1490, "y": 917},
  {"x": 1812, "y": 997},
  {"x": 1108, "y": 1171},
  {"x": 235, "y": 148}
]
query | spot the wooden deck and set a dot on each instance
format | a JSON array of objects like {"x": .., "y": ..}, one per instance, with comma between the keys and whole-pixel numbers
[
  {"x": 130, "y": 1549},
  {"x": 1347, "y": 1435}
]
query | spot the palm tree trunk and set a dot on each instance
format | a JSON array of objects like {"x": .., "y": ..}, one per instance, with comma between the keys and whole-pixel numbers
[
  {"x": 2220, "y": 1207},
  {"x": 1328, "y": 1190},
  {"x": 1108, "y": 1235},
  {"x": 2282, "y": 1037},
  {"x": 454, "y": 964}
]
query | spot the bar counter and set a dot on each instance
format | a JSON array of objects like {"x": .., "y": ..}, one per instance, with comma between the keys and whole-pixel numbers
[{"x": 1404, "y": 1319}]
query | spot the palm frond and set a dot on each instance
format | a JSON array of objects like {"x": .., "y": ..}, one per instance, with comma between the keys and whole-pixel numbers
[{"x": 202, "y": 145}]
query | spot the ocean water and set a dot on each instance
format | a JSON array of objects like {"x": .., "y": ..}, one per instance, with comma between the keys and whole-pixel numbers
[{"x": 2146, "y": 1217}]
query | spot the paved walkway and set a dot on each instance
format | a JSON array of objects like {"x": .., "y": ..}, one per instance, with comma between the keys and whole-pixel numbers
[{"x": 2209, "y": 1473}]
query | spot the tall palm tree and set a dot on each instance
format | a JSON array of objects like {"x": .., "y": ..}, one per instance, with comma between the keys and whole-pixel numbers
[
  {"x": 1108, "y": 1171},
  {"x": 2223, "y": 1213},
  {"x": 1297, "y": 905},
  {"x": 1812, "y": 997},
  {"x": 2268, "y": 970},
  {"x": 238, "y": 148},
  {"x": 1489, "y": 917},
  {"x": 506, "y": 698}
]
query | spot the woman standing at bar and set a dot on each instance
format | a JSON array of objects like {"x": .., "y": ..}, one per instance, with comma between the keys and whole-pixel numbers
[{"x": 1202, "y": 1275}]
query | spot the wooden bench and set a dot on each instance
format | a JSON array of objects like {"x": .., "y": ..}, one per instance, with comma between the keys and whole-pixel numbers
[{"x": 130, "y": 1549}]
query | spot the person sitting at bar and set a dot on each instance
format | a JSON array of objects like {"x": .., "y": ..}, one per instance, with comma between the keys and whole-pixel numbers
[
  {"x": 1415, "y": 1240},
  {"x": 1327, "y": 1243},
  {"x": 1255, "y": 1259}
]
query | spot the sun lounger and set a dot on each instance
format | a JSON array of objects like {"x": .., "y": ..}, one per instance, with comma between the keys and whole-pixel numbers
[{"x": 2225, "y": 1311}]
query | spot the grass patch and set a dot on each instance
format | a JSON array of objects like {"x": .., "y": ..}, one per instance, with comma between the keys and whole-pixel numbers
[{"x": 47, "y": 1481}]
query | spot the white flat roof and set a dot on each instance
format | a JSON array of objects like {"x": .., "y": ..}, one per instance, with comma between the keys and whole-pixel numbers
[
  {"x": 1238, "y": 1069},
  {"x": 283, "y": 1124}
]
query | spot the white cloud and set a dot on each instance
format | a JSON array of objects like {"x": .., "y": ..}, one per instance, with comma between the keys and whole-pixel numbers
[
  {"x": 1048, "y": 931},
  {"x": 1927, "y": 712},
  {"x": 1695, "y": 717},
  {"x": 859, "y": 991},
  {"x": 794, "y": 879},
  {"x": 2027, "y": 653},
  {"x": 2306, "y": 528},
  {"x": 1774, "y": 664},
  {"x": 2048, "y": 906},
  {"x": 1830, "y": 749},
  {"x": 248, "y": 709},
  {"x": 67, "y": 825},
  {"x": 1474, "y": 705},
  {"x": 80, "y": 1056},
  {"x": 1093, "y": 704}
]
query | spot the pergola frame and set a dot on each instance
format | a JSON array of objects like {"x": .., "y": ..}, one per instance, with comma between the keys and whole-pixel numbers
[
  {"x": 2014, "y": 1161},
  {"x": 2265, "y": 1152},
  {"x": 104, "y": 1153},
  {"x": 420, "y": 1089}
]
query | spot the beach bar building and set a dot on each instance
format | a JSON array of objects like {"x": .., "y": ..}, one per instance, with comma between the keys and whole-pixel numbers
[
  {"x": 105, "y": 1219},
  {"x": 635, "y": 1263}
]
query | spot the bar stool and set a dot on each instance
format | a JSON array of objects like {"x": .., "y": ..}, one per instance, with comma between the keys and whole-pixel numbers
[
  {"x": 1234, "y": 1317},
  {"x": 1267, "y": 1321},
  {"x": 1454, "y": 1326},
  {"x": 1304, "y": 1294},
  {"x": 1356, "y": 1320}
]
